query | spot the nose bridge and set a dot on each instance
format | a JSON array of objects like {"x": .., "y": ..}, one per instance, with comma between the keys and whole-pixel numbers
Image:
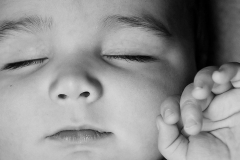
[{"x": 73, "y": 83}]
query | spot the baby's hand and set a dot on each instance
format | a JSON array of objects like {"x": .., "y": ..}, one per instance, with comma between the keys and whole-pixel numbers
[{"x": 210, "y": 112}]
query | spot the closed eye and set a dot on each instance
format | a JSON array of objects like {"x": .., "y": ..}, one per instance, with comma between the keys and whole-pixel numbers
[
  {"x": 21, "y": 64},
  {"x": 136, "y": 58}
]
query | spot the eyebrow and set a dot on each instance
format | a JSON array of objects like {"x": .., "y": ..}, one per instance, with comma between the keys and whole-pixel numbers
[
  {"x": 146, "y": 22},
  {"x": 32, "y": 24}
]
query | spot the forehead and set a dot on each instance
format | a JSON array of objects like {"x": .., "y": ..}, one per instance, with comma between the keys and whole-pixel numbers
[{"x": 72, "y": 9}]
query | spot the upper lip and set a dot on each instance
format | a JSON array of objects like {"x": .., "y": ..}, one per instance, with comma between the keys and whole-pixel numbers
[{"x": 77, "y": 128}]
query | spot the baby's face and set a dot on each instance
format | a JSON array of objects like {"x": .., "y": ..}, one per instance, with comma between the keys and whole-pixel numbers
[{"x": 84, "y": 79}]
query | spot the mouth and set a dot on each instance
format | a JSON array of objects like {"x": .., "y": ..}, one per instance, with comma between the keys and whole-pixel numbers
[{"x": 80, "y": 136}]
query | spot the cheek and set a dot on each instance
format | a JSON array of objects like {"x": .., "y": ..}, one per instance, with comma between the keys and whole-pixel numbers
[
  {"x": 18, "y": 109},
  {"x": 137, "y": 98},
  {"x": 14, "y": 108},
  {"x": 136, "y": 102},
  {"x": 14, "y": 121},
  {"x": 140, "y": 95},
  {"x": 135, "y": 108},
  {"x": 20, "y": 120}
]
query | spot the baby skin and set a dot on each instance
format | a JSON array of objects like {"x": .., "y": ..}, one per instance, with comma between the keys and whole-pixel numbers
[
  {"x": 84, "y": 79},
  {"x": 209, "y": 112}
]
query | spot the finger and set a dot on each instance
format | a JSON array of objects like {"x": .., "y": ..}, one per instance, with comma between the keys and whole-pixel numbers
[
  {"x": 221, "y": 88},
  {"x": 226, "y": 73},
  {"x": 223, "y": 106},
  {"x": 229, "y": 72},
  {"x": 171, "y": 143},
  {"x": 170, "y": 109},
  {"x": 209, "y": 125},
  {"x": 203, "y": 83},
  {"x": 191, "y": 111}
]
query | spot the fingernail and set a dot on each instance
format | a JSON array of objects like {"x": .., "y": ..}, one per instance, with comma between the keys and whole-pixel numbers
[
  {"x": 216, "y": 85},
  {"x": 221, "y": 69},
  {"x": 197, "y": 88},
  {"x": 190, "y": 123},
  {"x": 198, "y": 85},
  {"x": 167, "y": 113}
]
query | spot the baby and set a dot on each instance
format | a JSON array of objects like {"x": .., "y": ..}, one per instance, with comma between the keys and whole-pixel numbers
[
  {"x": 84, "y": 79},
  {"x": 210, "y": 114}
]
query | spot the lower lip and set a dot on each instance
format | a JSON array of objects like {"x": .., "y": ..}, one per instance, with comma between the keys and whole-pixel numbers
[{"x": 80, "y": 136}]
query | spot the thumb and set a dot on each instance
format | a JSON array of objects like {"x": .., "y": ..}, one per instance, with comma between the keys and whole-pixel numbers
[{"x": 171, "y": 144}]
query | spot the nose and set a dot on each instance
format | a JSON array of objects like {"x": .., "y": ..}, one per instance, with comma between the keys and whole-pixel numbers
[{"x": 75, "y": 86}]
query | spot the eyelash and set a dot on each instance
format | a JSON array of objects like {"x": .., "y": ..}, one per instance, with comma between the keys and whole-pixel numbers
[
  {"x": 137, "y": 58},
  {"x": 21, "y": 64}
]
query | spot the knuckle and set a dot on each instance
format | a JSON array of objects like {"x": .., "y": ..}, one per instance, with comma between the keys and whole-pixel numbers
[{"x": 188, "y": 103}]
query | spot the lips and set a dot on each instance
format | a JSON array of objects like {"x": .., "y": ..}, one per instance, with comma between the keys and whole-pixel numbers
[{"x": 80, "y": 136}]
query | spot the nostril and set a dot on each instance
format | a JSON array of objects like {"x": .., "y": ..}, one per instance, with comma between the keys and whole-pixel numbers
[
  {"x": 62, "y": 96},
  {"x": 84, "y": 94}
]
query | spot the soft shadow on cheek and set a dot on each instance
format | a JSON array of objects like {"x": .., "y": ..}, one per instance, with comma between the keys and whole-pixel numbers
[{"x": 174, "y": 82}]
